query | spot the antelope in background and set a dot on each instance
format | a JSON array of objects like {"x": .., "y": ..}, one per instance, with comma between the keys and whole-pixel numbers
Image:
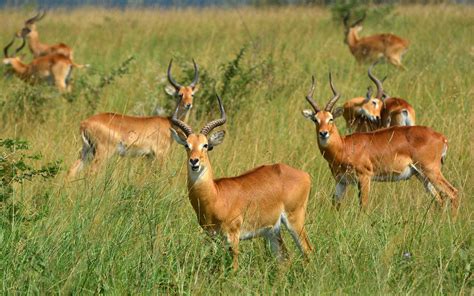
[
  {"x": 254, "y": 204},
  {"x": 55, "y": 67},
  {"x": 391, "y": 154},
  {"x": 36, "y": 47},
  {"x": 371, "y": 48},
  {"x": 394, "y": 111},
  {"x": 106, "y": 134},
  {"x": 372, "y": 113}
]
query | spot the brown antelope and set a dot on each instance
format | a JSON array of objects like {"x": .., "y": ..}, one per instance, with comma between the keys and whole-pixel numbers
[
  {"x": 36, "y": 47},
  {"x": 371, "y": 48},
  {"x": 107, "y": 134},
  {"x": 361, "y": 114},
  {"x": 254, "y": 204},
  {"x": 391, "y": 154},
  {"x": 372, "y": 113},
  {"x": 394, "y": 111},
  {"x": 55, "y": 67}
]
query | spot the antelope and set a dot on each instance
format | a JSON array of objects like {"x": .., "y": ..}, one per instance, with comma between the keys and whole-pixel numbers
[
  {"x": 391, "y": 154},
  {"x": 36, "y": 47},
  {"x": 55, "y": 67},
  {"x": 370, "y": 48},
  {"x": 372, "y": 113},
  {"x": 106, "y": 134},
  {"x": 394, "y": 111},
  {"x": 251, "y": 205}
]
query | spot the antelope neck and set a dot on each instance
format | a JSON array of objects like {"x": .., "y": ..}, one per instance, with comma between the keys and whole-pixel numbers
[
  {"x": 352, "y": 37},
  {"x": 334, "y": 150},
  {"x": 20, "y": 68},
  {"x": 202, "y": 194},
  {"x": 34, "y": 43}
]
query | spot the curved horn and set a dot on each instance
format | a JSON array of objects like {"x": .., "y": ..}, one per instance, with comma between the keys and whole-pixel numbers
[
  {"x": 182, "y": 125},
  {"x": 5, "y": 50},
  {"x": 42, "y": 16},
  {"x": 215, "y": 123},
  {"x": 345, "y": 19},
  {"x": 369, "y": 94},
  {"x": 176, "y": 85},
  {"x": 357, "y": 22},
  {"x": 196, "y": 75},
  {"x": 309, "y": 96},
  {"x": 21, "y": 47},
  {"x": 377, "y": 82},
  {"x": 33, "y": 19},
  {"x": 333, "y": 100}
]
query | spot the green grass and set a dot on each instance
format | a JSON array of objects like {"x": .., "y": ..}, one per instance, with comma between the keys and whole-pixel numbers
[{"x": 131, "y": 227}]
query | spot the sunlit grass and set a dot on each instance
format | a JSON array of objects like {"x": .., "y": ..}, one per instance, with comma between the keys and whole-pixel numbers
[{"x": 131, "y": 227}]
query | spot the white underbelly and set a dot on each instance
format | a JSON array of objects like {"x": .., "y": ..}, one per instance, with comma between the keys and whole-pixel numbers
[
  {"x": 132, "y": 151},
  {"x": 265, "y": 231},
  {"x": 393, "y": 177}
]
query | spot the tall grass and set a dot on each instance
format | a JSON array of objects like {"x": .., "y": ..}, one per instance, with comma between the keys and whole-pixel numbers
[{"x": 132, "y": 229}]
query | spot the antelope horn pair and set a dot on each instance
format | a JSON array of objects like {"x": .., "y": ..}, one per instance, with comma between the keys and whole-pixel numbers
[
  {"x": 357, "y": 22},
  {"x": 36, "y": 18},
  {"x": 207, "y": 128},
  {"x": 381, "y": 95},
  {"x": 332, "y": 101},
  {"x": 5, "y": 50},
  {"x": 178, "y": 86}
]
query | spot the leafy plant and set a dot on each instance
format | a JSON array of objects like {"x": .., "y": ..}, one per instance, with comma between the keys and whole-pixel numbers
[
  {"x": 16, "y": 167},
  {"x": 91, "y": 89},
  {"x": 358, "y": 8}
]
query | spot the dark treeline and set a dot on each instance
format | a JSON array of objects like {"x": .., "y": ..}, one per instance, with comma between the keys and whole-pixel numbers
[{"x": 204, "y": 3}]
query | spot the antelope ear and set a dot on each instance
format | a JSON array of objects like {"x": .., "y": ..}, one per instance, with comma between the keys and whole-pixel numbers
[
  {"x": 195, "y": 89},
  {"x": 308, "y": 114},
  {"x": 337, "y": 112},
  {"x": 177, "y": 137},
  {"x": 171, "y": 90},
  {"x": 215, "y": 139}
]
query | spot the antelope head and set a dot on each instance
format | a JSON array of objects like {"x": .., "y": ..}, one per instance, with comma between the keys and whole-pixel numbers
[
  {"x": 355, "y": 27},
  {"x": 324, "y": 119},
  {"x": 372, "y": 107},
  {"x": 30, "y": 25},
  {"x": 198, "y": 144},
  {"x": 185, "y": 94}
]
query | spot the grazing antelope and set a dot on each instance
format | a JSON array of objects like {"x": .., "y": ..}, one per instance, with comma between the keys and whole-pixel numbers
[
  {"x": 254, "y": 204},
  {"x": 391, "y": 154},
  {"x": 372, "y": 113},
  {"x": 106, "y": 134},
  {"x": 55, "y": 67},
  {"x": 361, "y": 114},
  {"x": 394, "y": 111},
  {"x": 370, "y": 48},
  {"x": 36, "y": 47}
]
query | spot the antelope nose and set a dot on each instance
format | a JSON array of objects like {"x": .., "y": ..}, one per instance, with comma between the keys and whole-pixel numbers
[
  {"x": 193, "y": 161},
  {"x": 188, "y": 106},
  {"x": 324, "y": 134}
]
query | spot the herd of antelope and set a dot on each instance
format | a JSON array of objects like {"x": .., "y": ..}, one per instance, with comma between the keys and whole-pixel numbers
[{"x": 385, "y": 145}]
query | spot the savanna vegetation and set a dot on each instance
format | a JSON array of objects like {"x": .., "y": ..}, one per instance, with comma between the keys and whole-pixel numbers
[{"x": 131, "y": 228}]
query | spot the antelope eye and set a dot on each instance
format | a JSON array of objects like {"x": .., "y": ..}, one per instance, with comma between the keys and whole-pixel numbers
[
  {"x": 374, "y": 103},
  {"x": 205, "y": 146},
  {"x": 331, "y": 120},
  {"x": 186, "y": 146}
]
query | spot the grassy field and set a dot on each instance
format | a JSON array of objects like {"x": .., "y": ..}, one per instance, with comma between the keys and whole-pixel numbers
[{"x": 131, "y": 228}]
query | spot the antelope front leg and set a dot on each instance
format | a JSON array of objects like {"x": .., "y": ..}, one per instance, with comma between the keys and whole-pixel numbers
[
  {"x": 341, "y": 186},
  {"x": 364, "y": 187},
  {"x": 233, "y": 239}
]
